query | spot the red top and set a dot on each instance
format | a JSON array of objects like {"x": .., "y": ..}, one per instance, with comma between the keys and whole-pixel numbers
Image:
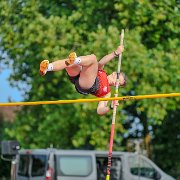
[{"x": 104, "y": 87}]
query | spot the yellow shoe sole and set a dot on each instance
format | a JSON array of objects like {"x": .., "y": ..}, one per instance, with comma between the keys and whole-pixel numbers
[
  {"x": 43, "y": 67},
  {"x": 72, "y": 57}
]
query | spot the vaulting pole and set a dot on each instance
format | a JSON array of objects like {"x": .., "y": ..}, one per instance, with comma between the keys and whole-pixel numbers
[{"x": 114, "y": 112}]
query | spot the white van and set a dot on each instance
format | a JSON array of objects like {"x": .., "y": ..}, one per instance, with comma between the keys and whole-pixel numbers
[{"x": 54, "y": 164}]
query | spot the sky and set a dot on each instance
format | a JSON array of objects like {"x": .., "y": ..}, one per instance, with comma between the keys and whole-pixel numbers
[{"x": 6, "y": 91}]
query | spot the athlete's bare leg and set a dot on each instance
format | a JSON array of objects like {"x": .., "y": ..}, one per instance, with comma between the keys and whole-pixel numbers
[
  {"x": 87, "y": 68},
  {"x": 89, "y": 72}
]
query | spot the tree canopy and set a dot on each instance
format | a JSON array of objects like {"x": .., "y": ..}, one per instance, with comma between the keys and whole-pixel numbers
[{"x": 33, "y": 30}]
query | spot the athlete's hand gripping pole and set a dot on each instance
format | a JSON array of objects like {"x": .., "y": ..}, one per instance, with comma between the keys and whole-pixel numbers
[{"x": 114, "y": 111}]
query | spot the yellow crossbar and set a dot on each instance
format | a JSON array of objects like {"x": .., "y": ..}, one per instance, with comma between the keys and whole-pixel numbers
[{"x": 122, "y": 98}]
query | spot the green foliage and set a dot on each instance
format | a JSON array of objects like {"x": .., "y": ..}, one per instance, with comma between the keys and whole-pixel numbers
[
  {"x": 167, "y": 144},
  {"x": 5, "y": 165},
  {"x": 35, "y": 30}
]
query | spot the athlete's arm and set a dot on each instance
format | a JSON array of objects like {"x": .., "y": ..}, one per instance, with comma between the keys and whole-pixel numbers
[
  {"x": 110, "y": 56},
  {"x": 102, "y": 107}
]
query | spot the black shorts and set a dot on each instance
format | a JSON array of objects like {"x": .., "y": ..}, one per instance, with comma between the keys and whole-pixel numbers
[{"x": 75, "y": 81}]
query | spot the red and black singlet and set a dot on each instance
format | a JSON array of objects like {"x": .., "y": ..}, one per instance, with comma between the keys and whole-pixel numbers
[{"x": 103, "y": 84}]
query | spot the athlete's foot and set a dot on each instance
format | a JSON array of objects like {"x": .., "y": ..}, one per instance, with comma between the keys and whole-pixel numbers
[
  {"x": 72, "y": 57},
  {"x": 43, "y": 67}
]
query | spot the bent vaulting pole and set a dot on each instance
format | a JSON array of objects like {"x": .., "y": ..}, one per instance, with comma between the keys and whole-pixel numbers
[{"x": 114, "y": 112}]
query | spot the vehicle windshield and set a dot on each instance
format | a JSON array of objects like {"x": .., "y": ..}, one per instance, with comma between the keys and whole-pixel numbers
[{"x": 141, "y": 167}]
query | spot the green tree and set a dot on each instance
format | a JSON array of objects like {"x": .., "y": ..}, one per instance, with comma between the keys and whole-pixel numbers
[
  {"x": 167, "y": 145},
  {"x": 35, "y": 30},
  {"x": 5, "y": 165}
]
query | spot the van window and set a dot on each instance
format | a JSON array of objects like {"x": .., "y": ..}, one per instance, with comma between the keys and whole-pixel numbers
[
  {"x": 35, "y": 163},
  {"x": 74, "y": 165},
  {"x": 38, "y": 165},
  {"x": 101, "y": 163},
  {"x": 141, "y": 167},
  {"x": 23, "y": 165}
]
